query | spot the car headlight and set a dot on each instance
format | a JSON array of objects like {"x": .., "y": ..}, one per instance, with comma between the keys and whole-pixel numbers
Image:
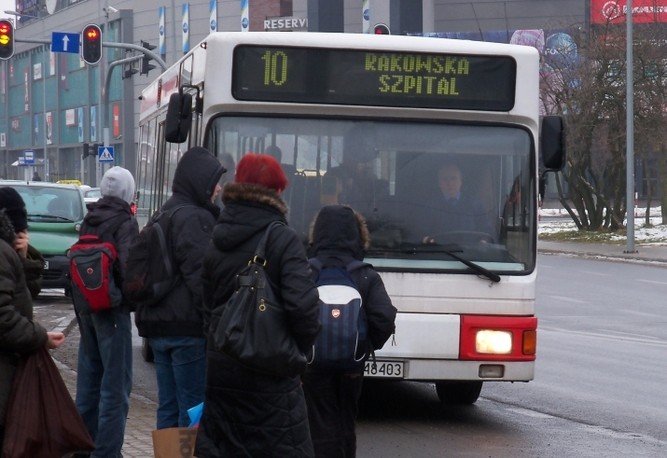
[
  {"x": 493, "y": 342},
  {"x": 77, "y": 227}
]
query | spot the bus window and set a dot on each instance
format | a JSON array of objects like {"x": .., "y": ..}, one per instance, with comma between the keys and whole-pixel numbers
[{"x": 391, "y": 172}]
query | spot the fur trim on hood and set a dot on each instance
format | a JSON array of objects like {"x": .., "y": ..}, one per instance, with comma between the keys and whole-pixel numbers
[
  {"x": 6, "y": 229},
  {"x": 248, "y": 192}
]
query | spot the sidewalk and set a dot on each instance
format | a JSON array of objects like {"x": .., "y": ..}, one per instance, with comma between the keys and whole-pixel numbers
[
  {"x": 647, "y": 253},
  {"x": 141, "y": 418}
]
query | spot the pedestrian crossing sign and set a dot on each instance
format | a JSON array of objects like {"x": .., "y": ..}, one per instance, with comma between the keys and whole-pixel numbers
[{"x": 105, "y": 153}]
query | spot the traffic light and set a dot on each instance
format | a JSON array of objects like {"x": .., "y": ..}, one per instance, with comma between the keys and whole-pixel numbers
[
  {"x": 381, "y": 29},
  {"x": 6, "y": 39},
  {"x": 146, "y": 65},
  {"x": 91, "y": 43},
  {"x": 128, "y": 70},
  {"x": 89, "y": 150}
]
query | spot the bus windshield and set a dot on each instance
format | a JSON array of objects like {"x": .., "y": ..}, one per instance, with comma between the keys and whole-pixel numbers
[{"x": 426, "y": 189}]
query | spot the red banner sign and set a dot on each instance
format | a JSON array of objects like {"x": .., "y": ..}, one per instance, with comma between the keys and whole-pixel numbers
[
  {"x": 115, "y": 112},
  {"x": 614, "y": 11}
]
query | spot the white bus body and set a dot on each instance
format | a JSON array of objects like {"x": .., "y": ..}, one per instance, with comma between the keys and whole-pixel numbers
[{"x": 455, "y": 325}]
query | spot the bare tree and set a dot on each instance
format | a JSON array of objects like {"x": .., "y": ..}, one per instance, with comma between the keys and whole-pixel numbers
[{"x": 588, "y": 87}]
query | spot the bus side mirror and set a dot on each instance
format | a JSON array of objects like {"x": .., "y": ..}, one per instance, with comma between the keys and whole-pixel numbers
[
  {"x": 552, "y": 143},
  {"x": 179, "y": 118}
]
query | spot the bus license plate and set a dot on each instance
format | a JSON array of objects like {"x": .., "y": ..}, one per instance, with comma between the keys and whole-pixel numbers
[{"x": 391, "y": 369}]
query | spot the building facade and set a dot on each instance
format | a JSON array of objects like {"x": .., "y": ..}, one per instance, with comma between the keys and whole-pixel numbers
[{"x": 53, "y": 103}]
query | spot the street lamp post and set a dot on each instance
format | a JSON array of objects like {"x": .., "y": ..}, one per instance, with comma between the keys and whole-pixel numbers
[{"x": 629, "y": 134}]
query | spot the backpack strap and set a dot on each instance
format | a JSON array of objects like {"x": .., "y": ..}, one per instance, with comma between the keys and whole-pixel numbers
[
  {"x": 260, "y": 251},
  {"x": 315, "y": 263},
  {"x": 166, "y": 234},
  {"x": 169, "y": 212}
]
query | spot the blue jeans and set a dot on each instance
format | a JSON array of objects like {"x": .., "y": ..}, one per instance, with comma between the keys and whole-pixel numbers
[
  {"x": 104, "y": 379},
  {"x": 180, "y": 366}
]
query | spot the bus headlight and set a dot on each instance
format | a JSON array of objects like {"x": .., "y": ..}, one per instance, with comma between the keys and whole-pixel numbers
[{"x": 493, "y": 342}]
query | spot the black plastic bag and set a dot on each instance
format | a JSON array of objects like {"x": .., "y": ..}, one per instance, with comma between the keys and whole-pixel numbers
[{"x": 42, "y": 420}]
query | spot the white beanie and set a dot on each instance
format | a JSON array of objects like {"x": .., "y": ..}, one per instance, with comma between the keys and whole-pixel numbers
[{"x": 118, "y": 182}]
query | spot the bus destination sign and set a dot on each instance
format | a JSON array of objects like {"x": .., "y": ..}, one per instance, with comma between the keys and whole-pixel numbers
[{"x": 384, "y": 78}]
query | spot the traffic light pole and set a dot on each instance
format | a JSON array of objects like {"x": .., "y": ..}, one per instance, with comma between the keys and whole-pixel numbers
[
  {"x": 106, "y": 44},
  {"x": 36, "y": 40},
  {"x": 112, "y": 65},
  {"x": 148, "y": 52},
  {"x": 104, "y": 101},
  {"x": 105, "y": 95}
]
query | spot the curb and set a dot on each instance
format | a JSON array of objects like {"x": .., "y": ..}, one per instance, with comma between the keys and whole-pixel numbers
[{"x": 604, "y": 257}]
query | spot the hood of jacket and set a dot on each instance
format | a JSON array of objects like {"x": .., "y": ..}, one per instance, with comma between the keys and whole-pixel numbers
[
  {"x": 6, "y": 229},
  {"x": 249, "y": 209},
  {"x": 118, "y": 182},
  {"x": 339, "y": 230},
  {"x": 108, "y": 212},
  {"x": 197, "y": 173}
]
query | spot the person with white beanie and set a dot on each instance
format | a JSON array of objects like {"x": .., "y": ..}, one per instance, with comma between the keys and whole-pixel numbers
[{"x": 104, "y": 378}]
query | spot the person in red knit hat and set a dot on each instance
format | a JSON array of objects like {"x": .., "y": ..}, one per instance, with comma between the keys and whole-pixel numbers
[
  {"x": 248, "y": 412},
  {"x": 261, "y": 169}
]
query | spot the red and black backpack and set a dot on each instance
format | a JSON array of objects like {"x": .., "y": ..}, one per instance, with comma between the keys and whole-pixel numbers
[{"x": 92, "y": 262}]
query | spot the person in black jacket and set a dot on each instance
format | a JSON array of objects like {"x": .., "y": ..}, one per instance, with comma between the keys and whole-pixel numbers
[
  {"x": 338, "y": 236},
  {"x": 20, "y": 335},
  {"x": 174, "y": 325},
  {"x": 249, "y": 413},
  {"x": 104, "y": 375}
]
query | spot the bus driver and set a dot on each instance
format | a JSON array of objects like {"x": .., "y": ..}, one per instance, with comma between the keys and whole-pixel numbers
[{"x": 452, "y": 211}]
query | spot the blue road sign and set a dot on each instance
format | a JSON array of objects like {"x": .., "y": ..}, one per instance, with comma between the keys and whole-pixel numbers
[
  {"x": 29, "y": 157},
  {"x": 105, "y": 153},
  {"x": 65, "y": 42}
]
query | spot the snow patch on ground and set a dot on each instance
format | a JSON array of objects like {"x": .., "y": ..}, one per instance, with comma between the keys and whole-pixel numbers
[{"x": 555, "y": 220}]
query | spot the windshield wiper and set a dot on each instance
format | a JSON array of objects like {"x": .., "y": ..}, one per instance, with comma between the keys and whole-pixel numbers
[
  {"x": 50, "y": 216},
  {"x": 494, "y": 277},
  {"x": 451, "y": 251}
]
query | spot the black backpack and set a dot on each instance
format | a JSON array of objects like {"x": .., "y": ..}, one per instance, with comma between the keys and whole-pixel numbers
[
  {"x": 342, "y": 344},
  {"x": 151, "y": 273}
]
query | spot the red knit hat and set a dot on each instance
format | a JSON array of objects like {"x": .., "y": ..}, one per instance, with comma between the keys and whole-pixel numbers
[{"x": 261, "y": 169}]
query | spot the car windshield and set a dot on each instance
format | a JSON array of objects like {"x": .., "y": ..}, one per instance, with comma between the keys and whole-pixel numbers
[
  {"x": 50, "y": 204},
  {"x": 428, "y": 190}
]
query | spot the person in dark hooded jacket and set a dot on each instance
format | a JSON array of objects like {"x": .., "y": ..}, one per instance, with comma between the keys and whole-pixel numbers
[
  {"x": 104, "y": 375},
  {"x": 246, "y": 412},
  {"x": 339, "y": 236},
  {"x": 174, "y": 325},
  {"x": 20, "y": 335}
]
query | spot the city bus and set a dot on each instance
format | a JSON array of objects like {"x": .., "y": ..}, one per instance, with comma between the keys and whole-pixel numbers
[{"x": 371, "y": 121}]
